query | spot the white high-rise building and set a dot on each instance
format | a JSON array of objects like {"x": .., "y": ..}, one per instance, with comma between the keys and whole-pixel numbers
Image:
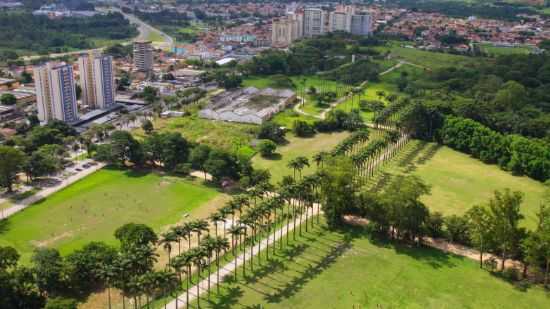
[
  {"x": 314, "y": 22},
  {"x": 143, "y": 56},
  {"x": 97, "y": 80},
  {"x": 339, "y": 21},
  {"x": 55, "y": 93},
  {"x": 286, "y": 30}
]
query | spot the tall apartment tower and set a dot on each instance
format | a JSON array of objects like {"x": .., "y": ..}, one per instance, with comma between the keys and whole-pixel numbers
[
  {"x": 286, "y": 30},
  {"x": 361, "y": 24},
  {"x": 314, "y": 22},
  {"x": 55, "y": 93},
  {"x": 97, "y": 80},
  {"x": 143, "y": 56},
  {"x": 339, "y": 21}
]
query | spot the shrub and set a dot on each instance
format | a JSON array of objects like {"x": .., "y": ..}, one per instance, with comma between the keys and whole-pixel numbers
[
  {"x": 303, "y": 129},
  {"x": 267, "y": 148}
]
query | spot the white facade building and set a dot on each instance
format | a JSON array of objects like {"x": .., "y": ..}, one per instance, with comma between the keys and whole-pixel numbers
[
  {"x": 97, "y": 81},
  {"x": 314, "y": 22},
  {"x": 287, "y": 29},
  {"x": 55, "y": 93}
]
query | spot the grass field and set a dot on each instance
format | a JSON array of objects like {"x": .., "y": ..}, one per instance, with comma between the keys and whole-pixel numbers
[
  {"x": 328, "y": 269},
  {"x": 297, "y": 147},
  {"x": 220, "y": 134},
  {"x": 428, "y": 59},
  {"x": 498, "y": 51},
  {"x": 93, "y": 208},
  {"x": 287, "y": 118},
  {"x": 458, "y": 181}
]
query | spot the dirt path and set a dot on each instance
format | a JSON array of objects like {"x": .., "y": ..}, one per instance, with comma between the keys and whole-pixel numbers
[{"x": 446, "y": 246}]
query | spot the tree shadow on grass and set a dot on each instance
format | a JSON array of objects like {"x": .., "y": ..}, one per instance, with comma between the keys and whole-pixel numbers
[
  {"x": 273, "y": 157},
  {"x": 311, "y": 271},
  {"x": 227, "y": 299},
  {"x": 4, "y": 225},
  {"x": 521, "y": 285}
]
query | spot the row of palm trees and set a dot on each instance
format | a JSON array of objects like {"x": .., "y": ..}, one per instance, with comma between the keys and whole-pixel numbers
[{"x": 248, "y": 225}]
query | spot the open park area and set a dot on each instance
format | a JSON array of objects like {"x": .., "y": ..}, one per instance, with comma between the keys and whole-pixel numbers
[
  {"x": 296, "y": 146},
  {"x": 93, "y": 208},
  {"x": 457, "y": 180},
  {"x": 349, "y": 269}
]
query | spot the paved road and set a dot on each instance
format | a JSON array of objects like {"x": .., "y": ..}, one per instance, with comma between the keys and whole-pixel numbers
[{"x": 143, "y": 28}]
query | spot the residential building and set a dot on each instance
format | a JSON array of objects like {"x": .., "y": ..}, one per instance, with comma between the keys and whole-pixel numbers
[
  {"x": 339, "y": 21},
  {"x": 361, "y": 24},
  {"x": 143, "y": 56},
  {"x": 314, "y": 22},
  {"x": 286, "y": 30},
  {"x": 55, "y": 92},
  {"x": 97, "y": 80}
]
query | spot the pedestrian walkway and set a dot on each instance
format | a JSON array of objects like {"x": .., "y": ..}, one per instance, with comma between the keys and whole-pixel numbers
[{"x": 229, "y": 268}]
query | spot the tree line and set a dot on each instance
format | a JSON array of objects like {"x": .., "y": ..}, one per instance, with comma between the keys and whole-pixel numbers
[
  {"x": 24, "y": 31},
  {"x": 194, "y": 249}
]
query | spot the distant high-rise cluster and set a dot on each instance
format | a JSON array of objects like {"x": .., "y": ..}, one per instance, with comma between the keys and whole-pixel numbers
[
  {"x": 56, "y": 92},
  {"x": 314, "y": 21},
  {"x": 143, "y": 56}
]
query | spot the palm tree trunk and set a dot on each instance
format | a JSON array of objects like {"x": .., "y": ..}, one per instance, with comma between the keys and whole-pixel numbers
[
  {"x": 198, "y": 285},
  {"x": 187, "y": 290},
  {"x": 218, "y": 271},
  {"x": 209, "y": 274},
  {"x": 109, "y": 296}
]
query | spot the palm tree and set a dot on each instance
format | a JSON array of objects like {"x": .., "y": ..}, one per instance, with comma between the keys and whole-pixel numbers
[
  {"x": 166, "y": 241},
  {"x": 235, "y": 232},
  {"x": 294, "y": 165},
  {"x": 225, "y": 211},
  {"x": 198, "y": 256},
  {"x": 220, "y": 244},
  {"x": 107, "y": 273},
  {"x": 181, "y": 233},
  {"x": 208, "y": 246},
  {"x": 298, "y": 164},
  {"x": 319, "y": 158},
  {"x": 215, "y": 218},
  {"x": 199, "y": 226},
  {"x": 186, "y": 261},
  {"x": 187, "y": 229}
]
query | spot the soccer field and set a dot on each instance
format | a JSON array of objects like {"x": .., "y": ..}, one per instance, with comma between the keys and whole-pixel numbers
[{"x": 93, "y": 208}]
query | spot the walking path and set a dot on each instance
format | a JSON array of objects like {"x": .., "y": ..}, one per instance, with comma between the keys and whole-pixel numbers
[
  {"x": 24, "y": 203},
  {"x": 322, "y": 116},
  {"x": 229, "y": 268},
  {"x": 446, "y": 246}
]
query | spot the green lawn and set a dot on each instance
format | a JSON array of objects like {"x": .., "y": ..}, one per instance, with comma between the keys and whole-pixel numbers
[
  {"x": 298, "y": 147},
  {"x": 499, "y": 50},
  {"x": 327, "y": 269},
  {"x": 287, "y": 118},
  {"x": 220, "y": 134},
  {"x": 428, "y": 59},
  {"x": 458, "y": 181},
  {"x": 93, "y": 208}
]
